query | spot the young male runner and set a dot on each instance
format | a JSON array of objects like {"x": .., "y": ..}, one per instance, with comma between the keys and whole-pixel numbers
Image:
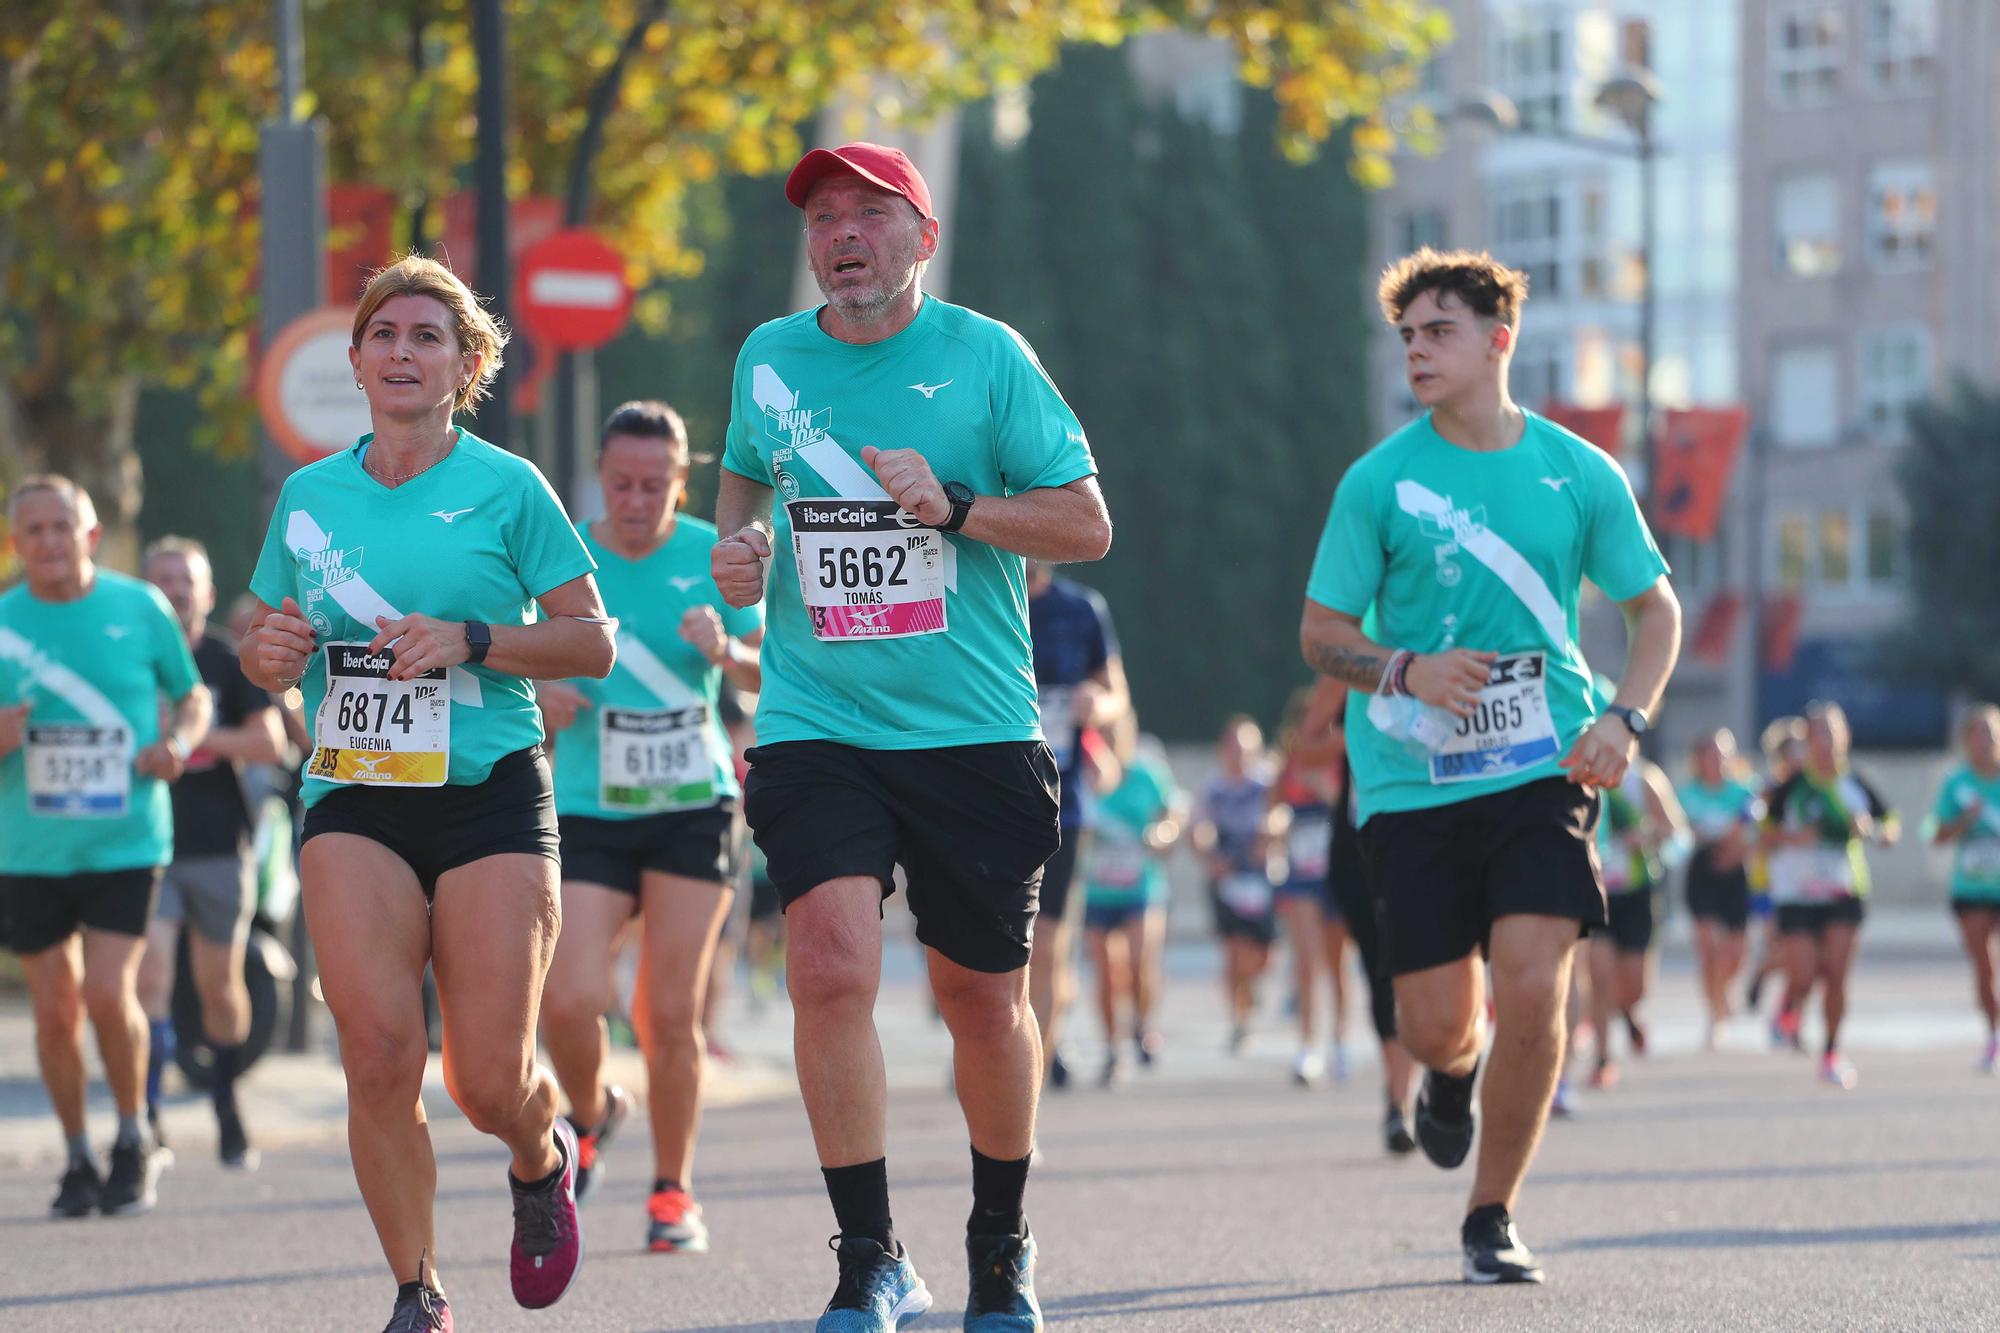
[
  {"x": 1476, "y": 755},
  {"x": 920, "y": 451}
]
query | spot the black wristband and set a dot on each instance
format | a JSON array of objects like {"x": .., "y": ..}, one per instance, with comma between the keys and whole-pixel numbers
[{"x": 478, "y": 639}]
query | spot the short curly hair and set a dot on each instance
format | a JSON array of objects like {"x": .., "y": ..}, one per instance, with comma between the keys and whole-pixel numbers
[
  {"x": 1486, "y": 286},
  {"x": 476, "y": 330}
]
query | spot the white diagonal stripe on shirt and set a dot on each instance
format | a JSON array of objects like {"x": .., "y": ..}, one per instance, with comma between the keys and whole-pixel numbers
[
  {"x": 836, "y": 467},
  {"x": 361, "y": 602},
  {"x": 651, "y": 672},
  {"x": 60, "y": 681},
  {"x": 1492, "y": 551}
]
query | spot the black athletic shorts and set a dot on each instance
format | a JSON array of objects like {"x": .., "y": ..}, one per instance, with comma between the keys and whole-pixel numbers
[
  {"x": 1629, "y": 920},
  {"x": 1443, "y": 876},
  {"x": 1059, "y": 875},
  {"x": 1347, "y": 880},
  {"x": 44, "y": 910},
  {"x": 1814, "y": 918},
  {"x": 971, "y": 825},
  {"x": 435, "y": 829},
  {"x": 1722, "y": 896},
  {"x": 1233, "y": 923},
  {"x": 1960, "y": 906},
  {"x": 694, "y": 844}
]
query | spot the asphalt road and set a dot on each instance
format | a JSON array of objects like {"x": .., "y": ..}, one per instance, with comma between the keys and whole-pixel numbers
[{"x": 1709, "y": 1191}]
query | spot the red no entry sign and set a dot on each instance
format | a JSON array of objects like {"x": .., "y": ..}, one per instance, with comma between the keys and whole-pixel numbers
[{"x": 571, "y": 291}]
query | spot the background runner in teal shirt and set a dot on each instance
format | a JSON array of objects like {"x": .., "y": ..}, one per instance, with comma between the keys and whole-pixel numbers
[
  {"x": 479, "y": 536},
  {"x": 1485, "y": 551},
  {"x": 649, "y": 597},
  {"x": 968, "y": 392},
  {"x": 106, "y": 658}
]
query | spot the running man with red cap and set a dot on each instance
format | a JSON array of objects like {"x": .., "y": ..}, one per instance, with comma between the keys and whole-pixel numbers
[{"x": 920, "y": 453}]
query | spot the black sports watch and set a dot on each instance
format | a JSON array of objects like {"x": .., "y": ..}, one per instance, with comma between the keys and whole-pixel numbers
[
  {"x": 478, "y": 638},
  {"x": 1634, "y": 720},
  {"x": 961, "y": 498}
]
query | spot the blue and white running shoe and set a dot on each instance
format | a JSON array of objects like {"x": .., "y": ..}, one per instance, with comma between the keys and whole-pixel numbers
[{"x": 877, "y": 1292}]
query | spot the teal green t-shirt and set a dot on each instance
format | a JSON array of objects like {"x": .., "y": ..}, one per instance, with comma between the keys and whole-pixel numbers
[
  {"x": 668, "y": 749},
  {"x": 1975, "y": 864},
  {"x": 1119, "y": 869},
  {"x": 916, "y": 639},
  {"x": 1713, "y": 811},
  {"x": 1488, "y": 552},
  {"x": 479, "y": 536},
  {"x": 92, "y": 673}
]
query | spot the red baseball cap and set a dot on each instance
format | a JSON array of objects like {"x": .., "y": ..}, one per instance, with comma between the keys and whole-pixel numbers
[{"x": 889, "y": 168}]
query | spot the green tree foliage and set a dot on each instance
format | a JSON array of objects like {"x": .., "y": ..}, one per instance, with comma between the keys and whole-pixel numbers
[
  {"x": 1951, "y": 485},
  {"x": 1197, "y": 297},
  {"x": 128, "y": 137}
]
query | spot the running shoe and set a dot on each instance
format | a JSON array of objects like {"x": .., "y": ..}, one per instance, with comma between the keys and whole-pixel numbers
[
  {"x": 1239, "y": 1037},
  {"x": 1058, "y": 1071},
  {"x": 1785, "y": 1030},
  {"x": 674, "y": 1224},
  {"x": 1563, "y": 1104},
  {"x": 1604, "y": 1075},
  {"x": 80, "y": 1193},
  {"x": 1113, "y": 1072},
  {"x": 548, "y": 1247},
  {"x": 1446, "y": 1119},
  {"x": 1338, "y": 1062},
  {"x": 1493, "y": 1249},
  {"x": 877, "y": 1290},
  {"x": 129, "y": 1188},
  {"x": 1835, "y": 1071},
  {"x": 1002, "y": 1295},
  {"x": 1396, "y": 1133},
  {"x": 1148, "y": 1045},
  {"x": 421, "y": 1311},
  {"x": 1309, "y": 1068},
  {"x": 1989, "y": 1063},
  {"x": 232, "y": 1143},
  {"x": 592, "y": 1142}
]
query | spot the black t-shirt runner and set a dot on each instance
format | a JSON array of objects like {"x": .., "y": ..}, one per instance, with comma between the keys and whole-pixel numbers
[{"x": 211, "y": 814}]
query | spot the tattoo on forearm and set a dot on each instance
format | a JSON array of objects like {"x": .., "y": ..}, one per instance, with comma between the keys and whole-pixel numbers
[{"x": 1354, "y": 669}]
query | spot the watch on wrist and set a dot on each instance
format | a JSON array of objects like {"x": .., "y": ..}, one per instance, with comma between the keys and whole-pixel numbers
[
  {"x": 478, "y": 639},
  {"x": 961, "y": 498},
  {"x": 1634, "y": 720}
]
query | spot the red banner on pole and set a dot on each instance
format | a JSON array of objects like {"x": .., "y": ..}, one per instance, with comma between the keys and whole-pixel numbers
[
  {"x": 1602, "y": 426},
  {"x": 360, "y": 234},
  {"x": 1783, "y": 616},
  {"x": 1692, "y": 466},
  {"x": 1716, "y": 630}
]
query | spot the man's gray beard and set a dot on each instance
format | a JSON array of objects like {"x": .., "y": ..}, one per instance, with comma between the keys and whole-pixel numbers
[{"x": 852, "y": 305}]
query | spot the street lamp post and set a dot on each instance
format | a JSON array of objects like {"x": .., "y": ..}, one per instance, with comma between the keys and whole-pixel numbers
[{"x": 1631, "y": 97}]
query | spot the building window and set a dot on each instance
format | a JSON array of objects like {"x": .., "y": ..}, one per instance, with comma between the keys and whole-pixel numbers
[
  {"x": 1530, "y": 66},
  {"x": 1805, "y": 212},
  {"x": 1806, "y": 51},
  {"x": 1794, "y": 555},
  {"x": 1899, "y": 41},
  {"x": 1895, "y": 373},
  {"x": 1885, "y": 547},
  {"x": 1902, "y": 215},
  {"x": 1836, "y": 548},
  {"x": 1805, "y": 396},
  {"x": 1527, "y": 232},
  {"x": 1419, "y": 228}
]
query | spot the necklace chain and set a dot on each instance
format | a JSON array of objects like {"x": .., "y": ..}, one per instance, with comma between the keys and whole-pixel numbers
[{"x": 388, "y": 479}]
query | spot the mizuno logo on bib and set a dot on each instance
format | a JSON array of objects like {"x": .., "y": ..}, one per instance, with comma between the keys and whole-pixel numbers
[
  {"x": 377, "y": 732},
  {"x": 867, "y": 569}
]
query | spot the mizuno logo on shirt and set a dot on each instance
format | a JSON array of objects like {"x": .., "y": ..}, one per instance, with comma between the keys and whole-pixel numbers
[
  {"x": 929, "y": 390},
  {"x": 683, "y": 582},
  {"x": 1555, "y": 483},
  {"x": 450, "y": 516},
  {"x": 115, "y": 632}
]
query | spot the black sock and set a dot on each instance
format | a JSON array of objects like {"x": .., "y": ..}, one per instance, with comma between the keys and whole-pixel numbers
[
  {"x": 1451, "y": 1094},
  {"x": 222, "y": 1085},
  {"x": 664, "y": 1184},
  {"x": 546, "y": 1182},
  {"x": 1495, "y": 1213},
  {"x": 860, "y": 1196},
  {"x": 997, "y": 1188}
]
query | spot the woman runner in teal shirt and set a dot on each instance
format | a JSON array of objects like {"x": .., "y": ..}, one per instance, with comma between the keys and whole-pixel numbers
[
  {"x": 1968, "y": 814},
  {"x": 398, "y": 588},
  {"x": 646, "y": 792}
]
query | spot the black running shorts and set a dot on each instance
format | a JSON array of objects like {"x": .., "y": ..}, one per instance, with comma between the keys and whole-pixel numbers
[
  {"x": 1443, "y": 876},
  {"x": 44, "y": 910},
  {"x": 1813, "y": 918},
  {"x": 435, "y": 829},
  {"x": 971, "y": 825},
  {"x": 1059, "y": 875},
  {"x": 1629, "y": 920},
  {"x": 694, "y": 844},
  {"x": 1722, "y": 896},
  {"x": 1347, "y": 879}
]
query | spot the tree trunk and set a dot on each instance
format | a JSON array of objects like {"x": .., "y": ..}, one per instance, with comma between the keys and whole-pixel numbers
[{"x": 91, "y": 445}]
